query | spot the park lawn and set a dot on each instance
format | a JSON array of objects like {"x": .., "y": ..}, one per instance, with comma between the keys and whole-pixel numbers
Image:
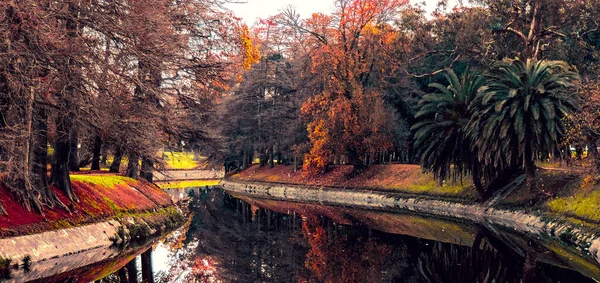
[
  {"x": 173, "y": 160},
  {"x": 187, "y": 184},
  {"x": 180, "y": 160},
  {"x": 103, "y": 169},
  {"x": 403, "y": 178}
]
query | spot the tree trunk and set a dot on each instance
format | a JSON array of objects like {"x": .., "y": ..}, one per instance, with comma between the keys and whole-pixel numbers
[
  {"x": 244, "y": 158},
  {"x": 476, "y": 172},
  {"x": 261, "y": 161},
  {"x": 132, "y": 271},
  {"x": 66, "y": 117},
  {"x": 133, "y": 167},
  {"x": 593, "y": 153},
  {"x": 295, "y": 163},
  {"x": 354, "y": 159},
  {"x": 147, "y": 169},
  {"x": 39, "y": 152},
  {"x": 116, "y": 164},
  {"x": 96, "y": 153},
  {"x": 530, "y": 172},
  {"x": 103, "y": 154},
  {"x": 122, "y": 275},
  {"x": 147, "y": 274},
  {"x": 73, "y": 149},
  {"x": 22, "y": 180},
  {"x": 60, "y": 169},
  {"x": 271, "y": 158}
]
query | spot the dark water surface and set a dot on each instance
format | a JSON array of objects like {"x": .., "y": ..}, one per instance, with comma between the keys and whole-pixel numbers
[{"x": 242, "y": 239}]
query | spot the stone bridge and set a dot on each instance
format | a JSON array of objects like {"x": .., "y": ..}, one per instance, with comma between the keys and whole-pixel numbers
[{"x": 180, "y": 175}]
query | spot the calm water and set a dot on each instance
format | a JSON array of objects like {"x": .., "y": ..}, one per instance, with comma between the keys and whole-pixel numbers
[{"x": 250, "y": 240}]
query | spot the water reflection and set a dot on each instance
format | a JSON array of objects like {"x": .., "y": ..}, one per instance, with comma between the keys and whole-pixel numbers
[{"x": 250, "y": 240}]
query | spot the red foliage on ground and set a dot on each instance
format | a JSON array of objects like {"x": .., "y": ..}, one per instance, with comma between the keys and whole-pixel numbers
[
  {"x": 380, "y": 176},
  {"x": 153, "y": 192},
  {"x": 123, "y": 197},
  {"x": 97, "y": 202}
]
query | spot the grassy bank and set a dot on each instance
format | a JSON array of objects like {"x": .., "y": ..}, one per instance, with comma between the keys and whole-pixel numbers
[
  {"x": 402, "y": 178},
  {"x": 101, "y": 197},
  {"x": 565, "y": 193}
]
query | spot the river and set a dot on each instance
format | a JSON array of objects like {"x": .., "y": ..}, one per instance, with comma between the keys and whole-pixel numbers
[{"x": 242, "y": 239}]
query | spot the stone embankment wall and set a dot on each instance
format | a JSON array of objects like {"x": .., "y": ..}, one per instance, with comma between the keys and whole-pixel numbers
[
  {"x": 58, "y": 243},
  {"x": 56, "y": 252},
  {"x": 520, "y": 221}
]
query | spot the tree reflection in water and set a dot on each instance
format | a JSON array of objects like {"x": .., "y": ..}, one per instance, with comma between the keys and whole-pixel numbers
[
  {"x": 241, "y": 242},
  {"x": 343, "y": 256}
]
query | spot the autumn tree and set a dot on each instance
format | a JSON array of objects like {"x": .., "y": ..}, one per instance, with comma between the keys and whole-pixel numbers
[{"x": 347, "y": 50}]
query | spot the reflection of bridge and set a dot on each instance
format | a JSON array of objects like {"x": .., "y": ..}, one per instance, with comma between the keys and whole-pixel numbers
[{"x": 179, "y": 175}]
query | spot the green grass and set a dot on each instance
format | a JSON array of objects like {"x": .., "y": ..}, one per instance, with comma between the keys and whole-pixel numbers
[
  {"x": 433, "y": 188},
  {"x": 103, "y": 180},
  {"x": 188, "y": 184},
  {"x": 180, "y": 160},
  {"x": 582, "y": 205}
]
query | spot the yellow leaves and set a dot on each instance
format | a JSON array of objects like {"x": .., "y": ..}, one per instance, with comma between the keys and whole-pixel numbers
[
  {"x": 251, "y": 53},
  {"x": 371, "y": 28}
]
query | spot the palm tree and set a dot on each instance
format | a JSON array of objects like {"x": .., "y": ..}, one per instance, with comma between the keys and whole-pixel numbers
[
  {"x": 519, "y": 117},
  {"x": 440, "y": 131}
]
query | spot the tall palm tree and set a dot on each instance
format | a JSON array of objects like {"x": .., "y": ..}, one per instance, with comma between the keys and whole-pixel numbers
[
  {"x": 519, "y": 116},
  {"x": 440, "y": 131}
]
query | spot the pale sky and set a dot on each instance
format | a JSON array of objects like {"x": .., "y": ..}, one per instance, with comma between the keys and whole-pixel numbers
[{"x": 252, "y": 10}]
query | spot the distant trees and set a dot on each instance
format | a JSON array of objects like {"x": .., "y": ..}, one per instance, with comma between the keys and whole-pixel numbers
[{"x": 261, "y": 113}]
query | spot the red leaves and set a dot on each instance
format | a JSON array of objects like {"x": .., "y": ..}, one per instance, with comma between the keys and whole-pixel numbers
[{"x": 97, "y": 202}]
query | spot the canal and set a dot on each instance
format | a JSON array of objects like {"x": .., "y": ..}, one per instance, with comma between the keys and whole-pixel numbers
[{"x": 241, "y": 239}]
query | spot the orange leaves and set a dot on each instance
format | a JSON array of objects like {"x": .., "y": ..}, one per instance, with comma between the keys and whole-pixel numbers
[
  {"x": 319, "y": 156},
  {"x": 251, "y": 54},
  {"x": 320, "y": 22},
  {"x": 340, "y": 123},
  {"x": 350, "y": 48}
]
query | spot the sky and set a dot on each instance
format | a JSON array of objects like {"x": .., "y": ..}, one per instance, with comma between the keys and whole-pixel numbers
[{"x": 255, "y": 9}]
